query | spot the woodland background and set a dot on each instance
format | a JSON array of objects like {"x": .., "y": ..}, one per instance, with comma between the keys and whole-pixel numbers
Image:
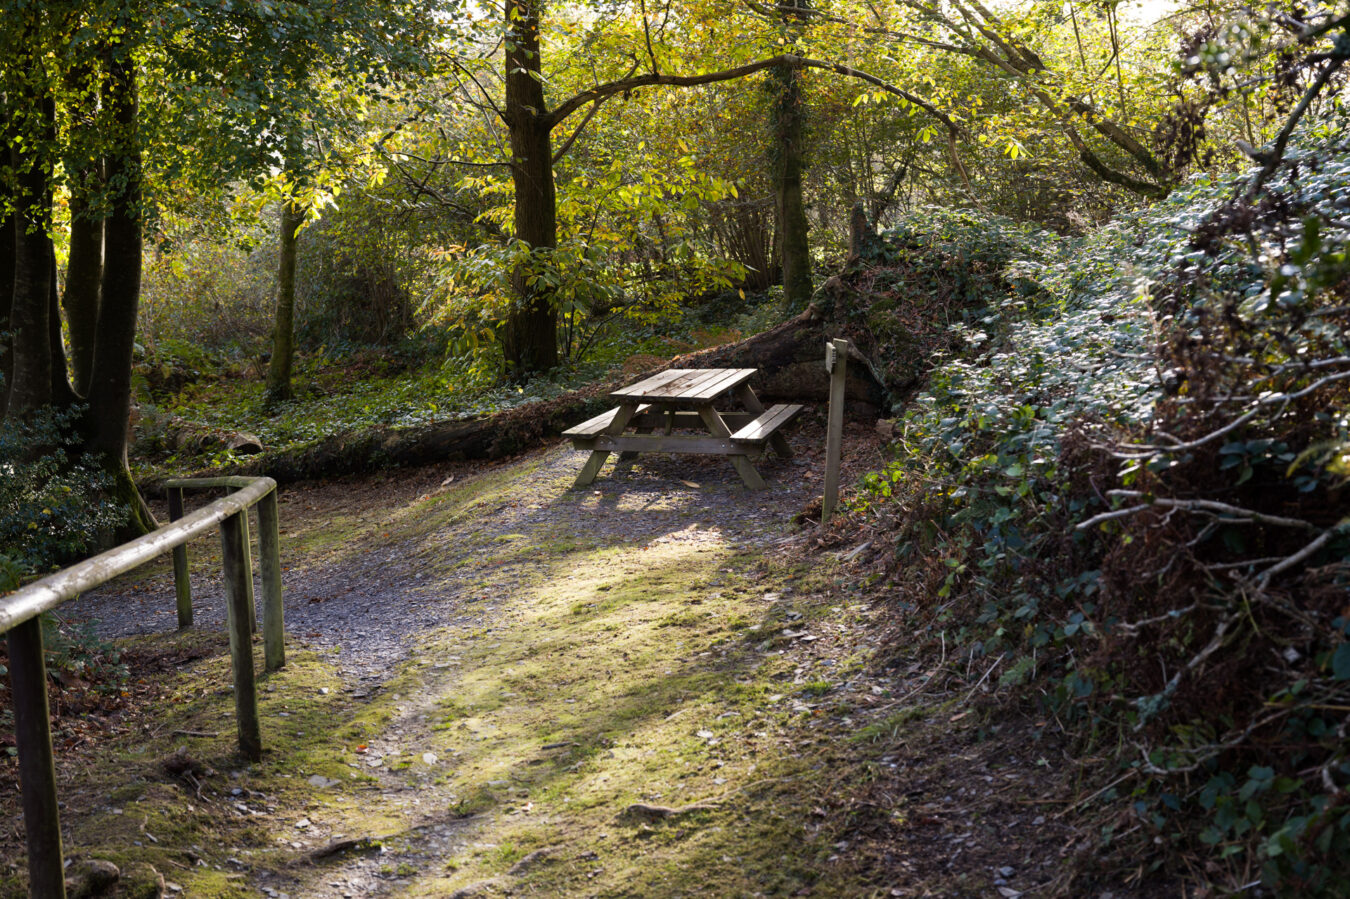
[{"x": 1106, "y": 302}]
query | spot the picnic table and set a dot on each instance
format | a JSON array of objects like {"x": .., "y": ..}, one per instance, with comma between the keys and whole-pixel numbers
[{"x": 683, "y": 399}]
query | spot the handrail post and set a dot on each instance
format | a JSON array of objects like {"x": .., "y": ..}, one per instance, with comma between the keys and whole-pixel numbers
[
  {"x": 836, "y": 363},
  {"x": 269, "y": 552},
  {"x": 37, "y": 770},
  {"x": 238, "y": 586},
  {"x": 248, "y": 584},
  {"x": 182, "y": 584}
]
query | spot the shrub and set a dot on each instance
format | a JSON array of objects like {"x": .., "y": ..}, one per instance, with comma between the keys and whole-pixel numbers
[
  {"x": 51, "y": 508},
  {"x": 937, "y": 271},
  {"x": 1127, "y": 491}
]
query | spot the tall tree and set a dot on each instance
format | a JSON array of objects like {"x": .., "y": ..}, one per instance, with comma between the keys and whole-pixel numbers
[
  {"x": 530, "y": 330},
  {"x": 79, "y": 65}
]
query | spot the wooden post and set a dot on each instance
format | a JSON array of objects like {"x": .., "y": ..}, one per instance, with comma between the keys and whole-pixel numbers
[
  {"x": 238, "y": 581},
  {"x": 182, "y": 584},
  {"x": 37, "y": 770},
  {"x": 269, "y": 552},
  {"x": 836, "y": 363}
]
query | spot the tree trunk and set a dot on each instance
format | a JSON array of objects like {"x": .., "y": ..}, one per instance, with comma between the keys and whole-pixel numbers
[
  {"x": 30, "y": 310},
  {"x": 84, "y": 274},
  {"x": 530, "y": 338},
  {"x": 110, "y": 384},
  {"x": 7, "y": 248},
  {"x": 84, "y": 267},
  {"x": 789, "y": 145},
  {"x": 283, "y": 333}
]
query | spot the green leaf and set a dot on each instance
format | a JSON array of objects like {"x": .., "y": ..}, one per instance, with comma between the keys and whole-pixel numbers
[{"x": 1340, "y": 662}]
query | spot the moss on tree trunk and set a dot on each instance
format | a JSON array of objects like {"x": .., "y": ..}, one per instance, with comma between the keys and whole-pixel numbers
[{"x": 283, "y": 332}]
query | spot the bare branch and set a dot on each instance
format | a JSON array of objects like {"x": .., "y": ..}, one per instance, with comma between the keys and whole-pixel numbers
[
  {"x": 647, "y": 35},
  {"x": 1272, "y": 156},
  {"x": 1132, "y": 628},
  {"x": 1190, "y": 505},
  {"x": 1147, "y": 450},
  {"x": 1211, "y": 647},
  {"x": 1302, "y": 555}
]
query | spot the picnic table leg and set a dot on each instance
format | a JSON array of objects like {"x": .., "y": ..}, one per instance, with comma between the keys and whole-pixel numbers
[
  {"x": 740, "y": 461},
  {"x": 755, "y": 407},
  {"x": 630, "y": 455},
  {"x": 598, "y": 457}
]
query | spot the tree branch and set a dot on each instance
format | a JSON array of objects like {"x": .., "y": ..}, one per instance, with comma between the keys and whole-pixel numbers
[
  {"x": 1191, "y": 505},
  {"x": 787, "y": 60},
  {"x": 775, "y": 12},
  {"x": 1272, "y": 156},
  {"x": 567, "y": 144},
  {"x": 628, "y": 84},
  {"x": 1020, "y": 62}
]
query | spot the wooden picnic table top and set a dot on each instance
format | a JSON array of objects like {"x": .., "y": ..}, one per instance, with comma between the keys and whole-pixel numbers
[{"x": 692, "y": 386}]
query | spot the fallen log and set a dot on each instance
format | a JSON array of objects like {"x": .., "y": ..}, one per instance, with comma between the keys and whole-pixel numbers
[
  {"x": 790, "y": 359},
  {"x": 791, "y": 362},
  {"x": 177, "y": 435}
]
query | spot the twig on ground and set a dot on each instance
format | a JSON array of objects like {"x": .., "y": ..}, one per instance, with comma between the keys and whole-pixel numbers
[{"x": 990, "y": 671}]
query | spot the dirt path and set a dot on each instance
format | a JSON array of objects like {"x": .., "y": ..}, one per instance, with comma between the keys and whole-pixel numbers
[{"x": 501, "y": 686}]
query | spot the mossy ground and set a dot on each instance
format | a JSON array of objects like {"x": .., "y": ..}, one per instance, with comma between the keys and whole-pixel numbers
[{"x": 632, "y": 712}]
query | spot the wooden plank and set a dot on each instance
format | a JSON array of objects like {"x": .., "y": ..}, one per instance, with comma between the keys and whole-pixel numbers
[
  {"x": 182, "y": 583},
  {"x": 651, "y": 383},
  {"x": 50, "y": 592},
  {"x": 248, "y": 584},
  {"x": 695, "y": 387},
  {"x": 681, "y": 387},
  {"x": 762, "y": 428},
  {"x": 710, "y": 390},
  {"x": 776, "y": 440},
  {"x": 662, "y": 443},
  {"x": 746, "y": 395},
  {"x": 238, "y": 575},
  {"x": 269, "y": 556},
  {"x": 742, "y": 465},
  {"x": 630, "y": 455},
  {"x": 673, "y": 418},
  {"x": 592, "y": 426},
  {"x": 834, "y": 429},
  {"x": 656, "y": 384}
]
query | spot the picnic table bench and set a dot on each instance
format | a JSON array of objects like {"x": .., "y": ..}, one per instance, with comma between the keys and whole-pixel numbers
[{"x": 683, "y": 399}]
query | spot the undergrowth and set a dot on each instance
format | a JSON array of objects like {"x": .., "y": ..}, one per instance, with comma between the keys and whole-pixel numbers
[
  {"x": 191, "y": 400},
  {"x": 938, "y": 273},
  {"x": 52, "y": 512},
  {"x": 1124, "y": 492}
]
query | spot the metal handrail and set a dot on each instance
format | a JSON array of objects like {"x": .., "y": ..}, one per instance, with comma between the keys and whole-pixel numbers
[{"x": 20, "y": 609}]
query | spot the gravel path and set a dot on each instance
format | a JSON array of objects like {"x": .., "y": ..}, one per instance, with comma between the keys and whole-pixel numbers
[{"x": 370, "y": 595}]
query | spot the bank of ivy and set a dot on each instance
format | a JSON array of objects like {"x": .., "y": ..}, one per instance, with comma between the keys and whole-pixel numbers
[{"x": 1124, "y": 489}]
